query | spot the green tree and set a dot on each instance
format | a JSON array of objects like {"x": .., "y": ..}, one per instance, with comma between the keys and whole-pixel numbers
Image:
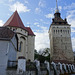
[{"x": 42, "y": 55}]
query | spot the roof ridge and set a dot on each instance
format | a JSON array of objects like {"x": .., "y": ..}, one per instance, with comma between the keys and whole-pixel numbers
[{"x": 14, "y": 20}]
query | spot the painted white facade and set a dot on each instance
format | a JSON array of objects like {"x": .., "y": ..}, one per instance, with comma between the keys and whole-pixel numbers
[
  {"x": 12, "y": 52},
  {"x": 28, "y": 43},
  {"x": 3, "y": 56},
  {"x": 21, "y": 65},
  {"x": 31, "y": 44},
  {"x": 7, "y": 52}
]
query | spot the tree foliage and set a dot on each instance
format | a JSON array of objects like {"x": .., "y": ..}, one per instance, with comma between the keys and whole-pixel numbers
[{"x": 42, "y": 55}]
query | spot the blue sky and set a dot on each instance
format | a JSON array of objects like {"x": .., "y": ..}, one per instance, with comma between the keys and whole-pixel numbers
[{"x": 38, "y": 15}]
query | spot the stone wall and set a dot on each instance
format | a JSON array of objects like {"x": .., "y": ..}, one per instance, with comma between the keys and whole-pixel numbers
[
  {"x": 31, "y": 46},
  {"x": 14, "y": 72},
  {"x": 60, "y": 43},
  {"x": 55, "y": 69}
]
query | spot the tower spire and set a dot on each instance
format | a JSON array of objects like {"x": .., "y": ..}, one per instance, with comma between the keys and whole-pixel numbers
[{"x": 57, "y": 10}]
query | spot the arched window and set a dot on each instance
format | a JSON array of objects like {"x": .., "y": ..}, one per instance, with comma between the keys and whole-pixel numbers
[{"x": 20, "y": 46}]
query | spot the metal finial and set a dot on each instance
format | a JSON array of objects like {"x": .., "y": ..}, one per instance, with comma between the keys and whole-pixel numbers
[
  {"x": 56, "y": 4},
  {"x": 56, "y": 11}
]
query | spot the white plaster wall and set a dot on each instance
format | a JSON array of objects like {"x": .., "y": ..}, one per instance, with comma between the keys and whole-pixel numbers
[
  {"x": 31, "y": 46},
  {"x": 12, "y": 49},
  {"x": 21, "y": 65},
  {"x": 7, "y": 52},
  {"x": 24, "y": 48},
  {"x": 19, "y": 30},
  {"x": 21, "y": 33},
  {"x": 28, "y": 43},
  {"x": 3, "y": 56}
]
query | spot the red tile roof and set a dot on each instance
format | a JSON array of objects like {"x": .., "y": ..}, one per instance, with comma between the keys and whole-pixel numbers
[
  {"x": 15, "y": 21},
  {"x": 30, "y": 32}
]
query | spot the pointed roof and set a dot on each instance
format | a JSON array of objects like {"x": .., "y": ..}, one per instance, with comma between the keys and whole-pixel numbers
[
  {"x": 15, "y": 21},
  {"x": 57, "y": 20}
]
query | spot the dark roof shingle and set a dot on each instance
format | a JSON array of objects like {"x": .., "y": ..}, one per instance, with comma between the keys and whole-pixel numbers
[{"x": 6, "y": 33}]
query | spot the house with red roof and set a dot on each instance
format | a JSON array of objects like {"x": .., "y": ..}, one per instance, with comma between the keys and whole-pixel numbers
[{"x": 26, "y": 37}]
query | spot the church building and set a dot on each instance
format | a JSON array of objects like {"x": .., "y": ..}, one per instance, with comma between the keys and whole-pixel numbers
[
  {"x": 26, "y": 37},
  {"x": 60, "y": 39}
]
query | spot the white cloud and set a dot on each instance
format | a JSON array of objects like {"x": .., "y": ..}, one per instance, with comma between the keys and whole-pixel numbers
[
  {"x": 26, "y": 2},
  {"x": 70, "y": 6},
  {"x": 49, "y": 15},
  {"x": 36, "y": 23},
  {"x": 41, "y": 20},
  {"x": 42, "y": 3},
  {"x": 60, "y": 8},
  {"x": 37, "y": 10},
  {"x": 28, "y": 23},
  {"x": 19, "y": 6},
  {"x": 72, "y": 30},
  {"x": 11, "y": 0},
  {"x": 1, "y": 23},
  {"x": 71, "y": 17},
  {"x": 73, "y": 43},
  {"x": 42, "y": 39}
]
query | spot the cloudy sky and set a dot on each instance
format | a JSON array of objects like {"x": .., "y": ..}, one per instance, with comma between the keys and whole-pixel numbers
[{"x": 38, "y": 15}]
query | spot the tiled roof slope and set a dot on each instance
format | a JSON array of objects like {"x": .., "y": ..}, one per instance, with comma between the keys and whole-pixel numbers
[
  {"x": 57, "y": 20},
  {"x": 6, "y": 33},
  {"x": 30, "y": 32},
  {"x": 15, "y": 21}
]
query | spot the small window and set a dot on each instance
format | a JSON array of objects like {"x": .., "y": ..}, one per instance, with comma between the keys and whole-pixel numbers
[
  {"x": 54, "y": 31},
  {"x": 61, "y": 31},
  {"x": 13, "y": 29},
  {"x": 58, "y": 31},
  {"x": 68, "y": 31}
]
